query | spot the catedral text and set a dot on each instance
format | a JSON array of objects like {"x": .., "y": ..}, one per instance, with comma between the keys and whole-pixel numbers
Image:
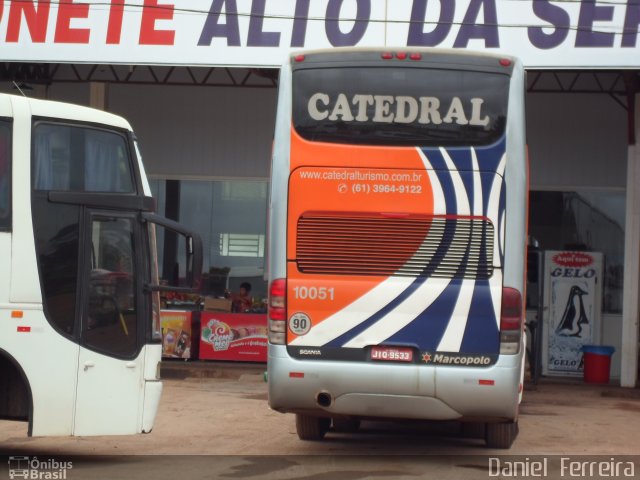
[{"x": 395, "y": 109}]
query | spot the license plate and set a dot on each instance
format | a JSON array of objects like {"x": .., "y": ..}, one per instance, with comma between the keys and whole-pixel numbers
[{"x": 392, "y": 354}]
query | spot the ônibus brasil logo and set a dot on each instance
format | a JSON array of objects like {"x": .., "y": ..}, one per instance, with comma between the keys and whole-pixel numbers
[{"x": 32, "y": 468}]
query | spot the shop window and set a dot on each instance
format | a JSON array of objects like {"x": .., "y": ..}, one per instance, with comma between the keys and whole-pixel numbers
[
  {"x": 231, "y": 218},
  {"x": 239, "y": 245},
  {"x": 584, "y": 220},
  {"x": 243, "y": 191}
]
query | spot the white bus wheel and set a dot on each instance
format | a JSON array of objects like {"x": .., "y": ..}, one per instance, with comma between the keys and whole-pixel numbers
[
  {"x": 311, "y": 428},
  {"x": 501, "y": 435}
]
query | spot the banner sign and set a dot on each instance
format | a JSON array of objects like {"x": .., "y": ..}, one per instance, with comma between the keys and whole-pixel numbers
[
  {"x": 260, "y": 33},
  {"x": 233, "y": 336},
  {"x": 572, "y": 301}
]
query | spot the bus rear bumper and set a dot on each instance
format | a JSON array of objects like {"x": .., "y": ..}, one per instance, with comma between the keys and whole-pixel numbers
[{"x": 394, "y": 391}]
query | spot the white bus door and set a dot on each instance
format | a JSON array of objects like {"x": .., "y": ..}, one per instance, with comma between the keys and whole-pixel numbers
[{"x": 111, "y": 361}]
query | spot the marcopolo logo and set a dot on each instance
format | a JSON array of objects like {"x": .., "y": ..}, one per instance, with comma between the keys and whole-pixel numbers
[
  {"x": 33, "y": 468},
  {"x": 457, "y": 359}
]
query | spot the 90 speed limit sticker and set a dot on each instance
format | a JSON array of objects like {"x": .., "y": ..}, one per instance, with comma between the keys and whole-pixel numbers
[{"x": 299, "y": 323}]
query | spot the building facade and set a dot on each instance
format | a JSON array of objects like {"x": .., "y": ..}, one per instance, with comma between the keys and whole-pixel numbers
[{"x": 198, "y": 82}]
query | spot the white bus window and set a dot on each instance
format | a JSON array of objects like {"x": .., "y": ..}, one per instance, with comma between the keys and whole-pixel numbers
[
  {"x": 111, "y": 325},
  {"x": 5, "y": 175},
  {"x": 71, "y": 158},
  {"x": 57, "y": 244}
]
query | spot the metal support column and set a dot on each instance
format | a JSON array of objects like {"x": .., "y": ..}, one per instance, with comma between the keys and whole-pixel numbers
[
  {"x": 98, "y": 95},
  {"x": 630, "y": 303}
]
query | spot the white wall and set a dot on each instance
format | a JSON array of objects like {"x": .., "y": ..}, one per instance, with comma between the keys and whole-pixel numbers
[
  {"x": 77, "y": 93},
  {"x": 199, "y": 131},
  {"x": 612, "y": 336},
  {"x": 575, "y": 140}
]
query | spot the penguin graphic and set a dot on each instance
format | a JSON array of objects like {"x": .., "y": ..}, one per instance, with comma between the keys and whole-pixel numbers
[{"x": 574, "y": 314}]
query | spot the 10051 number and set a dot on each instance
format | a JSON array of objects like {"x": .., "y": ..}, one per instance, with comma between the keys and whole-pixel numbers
[{"x": 314, "y": 293}]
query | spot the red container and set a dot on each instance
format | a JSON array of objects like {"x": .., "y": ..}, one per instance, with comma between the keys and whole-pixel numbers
[{"x": 597, "y": 363}]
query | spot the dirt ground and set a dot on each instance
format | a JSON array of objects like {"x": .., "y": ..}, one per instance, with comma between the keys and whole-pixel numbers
[{"x": 224, "y": 412}]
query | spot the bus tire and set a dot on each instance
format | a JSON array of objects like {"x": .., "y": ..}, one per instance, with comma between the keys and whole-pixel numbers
[
  {"x": 309, "y": 427},
  {"x": 346, "y": 424},
  {"x": 501, "y": 435}
]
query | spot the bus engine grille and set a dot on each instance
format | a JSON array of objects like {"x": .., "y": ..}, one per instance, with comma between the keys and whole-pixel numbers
[{"x": 416, "y": 246}]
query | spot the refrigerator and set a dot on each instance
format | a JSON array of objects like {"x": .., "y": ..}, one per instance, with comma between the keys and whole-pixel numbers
[{"x": 572, "y": 309}]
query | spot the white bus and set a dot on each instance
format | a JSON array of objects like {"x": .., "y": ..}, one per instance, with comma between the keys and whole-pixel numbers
[
  {"x": 398, "y": 240},
  {"x": 80, "y": 338}
]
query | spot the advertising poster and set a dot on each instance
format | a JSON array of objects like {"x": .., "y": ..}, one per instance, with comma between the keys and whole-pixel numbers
[
  {"x": 233, "y": 336},
  {"x": 572, "y": 305},
  {"x": 176, "y": 333}
]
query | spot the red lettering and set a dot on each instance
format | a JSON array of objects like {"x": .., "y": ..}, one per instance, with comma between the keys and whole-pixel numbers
[
  {"x": 66, "y": 11},
  {"x": 36, "y": 19},
  {"x": 114, "y": 29},
  {"x": 152, "y": 12}
]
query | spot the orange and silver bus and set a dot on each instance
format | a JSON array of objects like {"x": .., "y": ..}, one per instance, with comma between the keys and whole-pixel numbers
[
  {"x": 397, "y": 238},
  {"x": 80, "y": 337}
]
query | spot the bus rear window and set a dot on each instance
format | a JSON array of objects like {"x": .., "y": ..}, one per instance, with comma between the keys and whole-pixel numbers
[
  {"x": 399, "y": 106},
  {"x": 81, "y": 159}
]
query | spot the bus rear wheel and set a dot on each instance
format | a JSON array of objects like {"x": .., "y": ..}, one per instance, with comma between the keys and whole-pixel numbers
[
  {"x": 309, "y": 427},
  {"x": 501, "y": 435}
]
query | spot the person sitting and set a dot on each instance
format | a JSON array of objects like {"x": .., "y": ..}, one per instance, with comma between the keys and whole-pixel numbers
[{"x": 242, "y": 301}]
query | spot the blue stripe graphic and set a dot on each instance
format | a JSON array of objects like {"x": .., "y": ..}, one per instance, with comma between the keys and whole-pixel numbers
[
  {"x": 426, "y": 331},
  {"x": 481, "y": 334}
]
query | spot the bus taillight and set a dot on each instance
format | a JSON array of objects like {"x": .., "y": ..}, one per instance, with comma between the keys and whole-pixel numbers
[
  {"x": 277, "y": 311},
  {"x": 510, "y": 321},
  {"x": 401, "y": 55}
]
